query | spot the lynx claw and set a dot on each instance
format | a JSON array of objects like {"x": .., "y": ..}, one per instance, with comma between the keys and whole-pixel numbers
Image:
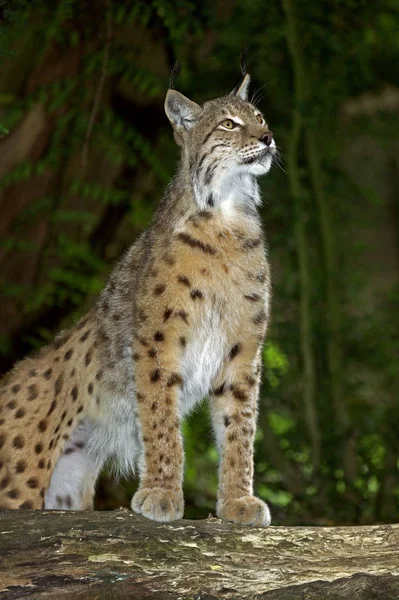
[
  {"x": 159, "y": 504},
  {"x": 246, "y": 510}
]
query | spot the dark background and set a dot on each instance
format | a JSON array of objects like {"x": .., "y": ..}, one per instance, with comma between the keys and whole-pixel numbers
[{"x": 86, "y": 150}]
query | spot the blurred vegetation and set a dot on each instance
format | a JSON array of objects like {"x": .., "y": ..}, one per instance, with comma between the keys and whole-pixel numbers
[{"x": 86, "y": 150}]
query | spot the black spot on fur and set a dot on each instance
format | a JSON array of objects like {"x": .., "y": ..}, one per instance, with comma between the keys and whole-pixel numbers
[
  {"x": 20, "y": 466},
  {"x": 251, "y": 243},
  {"x": 184, "y": 280},
  {"x": 252, "y": 297},
  {"x": 159, "y": 289},
  {"x": 183, "y": 316},
  {"x": 239, "y": 394},
  {"x": 59, "y": 384},
  {"x": 18, "y": 442},
  {"x": 88, "y": 357},
  {"x": 219, "y": 391},
  {"x": 167, "y": 314},
  {"x": 236, "y": 349},
  {"x": 42, "y": 425},
  {"x": 68, "y": 354},
  {"x": 52, "y": 407},
  {"x": 175, "y": 379},
  {"x": 4, "y": 482},
  {"x": 85, "y": 336},
  {"x": 155, "y": 375},
  {"x": 195, "y": 243},
  {"x": 196, "y": 294},
  {"x": 33, "y": 391}
]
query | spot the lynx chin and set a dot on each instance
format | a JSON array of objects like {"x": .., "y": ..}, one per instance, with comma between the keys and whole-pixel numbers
[{"x": 182, "y": 317}]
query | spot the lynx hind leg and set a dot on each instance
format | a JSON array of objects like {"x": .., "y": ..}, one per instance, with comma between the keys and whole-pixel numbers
[{"x": 73, "y": 480}]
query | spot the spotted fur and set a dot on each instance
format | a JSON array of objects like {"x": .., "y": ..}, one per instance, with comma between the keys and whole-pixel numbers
[{"x": 183, "y": 316}]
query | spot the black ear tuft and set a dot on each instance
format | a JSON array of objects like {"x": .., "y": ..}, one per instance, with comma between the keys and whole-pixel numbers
[
  {"x": 241, "y": 89},
  {"x": 243, "y": 60},
  {"x": 173, "y": 74}
]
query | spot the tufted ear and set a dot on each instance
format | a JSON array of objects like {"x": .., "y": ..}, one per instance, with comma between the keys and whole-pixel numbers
[
  {"x": 181, "y": 112},
  {"x": 241, "y": 90}
]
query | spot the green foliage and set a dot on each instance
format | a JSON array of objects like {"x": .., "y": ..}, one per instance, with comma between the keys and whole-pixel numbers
[
  {"x": 275, "y": 362},
  {"x": 93, "y": 190}
]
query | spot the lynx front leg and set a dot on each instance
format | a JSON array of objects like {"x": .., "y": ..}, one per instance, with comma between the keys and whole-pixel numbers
[
  {"x": 158, "y": 384},
  {"x": 234, "y": 408}
]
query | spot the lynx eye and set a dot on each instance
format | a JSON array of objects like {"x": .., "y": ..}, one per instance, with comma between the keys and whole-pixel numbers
[
  {"x": 228, "y": 124},
  {"x": 259, "y": 118}
]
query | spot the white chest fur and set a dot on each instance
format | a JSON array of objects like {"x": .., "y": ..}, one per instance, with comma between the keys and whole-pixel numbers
[{"x": 203, "y": 358}]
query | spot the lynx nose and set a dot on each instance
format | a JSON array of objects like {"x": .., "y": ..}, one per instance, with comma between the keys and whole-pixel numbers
[{"x": 267, "y": 138}]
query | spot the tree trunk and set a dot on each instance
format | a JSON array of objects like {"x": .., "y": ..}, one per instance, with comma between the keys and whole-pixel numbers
[
  {"x": 302, "y": 243},
  {"x": 328, "y": 230},
  {"x": 119, "y": 555}
]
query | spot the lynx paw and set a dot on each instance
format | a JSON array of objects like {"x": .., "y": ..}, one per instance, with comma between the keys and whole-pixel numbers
[
  {"x": 158, "y": 504},
  {"x": 247, "y": 510}
]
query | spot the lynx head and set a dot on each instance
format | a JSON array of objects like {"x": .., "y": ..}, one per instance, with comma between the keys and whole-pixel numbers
[{"x": 226, "y": 144}]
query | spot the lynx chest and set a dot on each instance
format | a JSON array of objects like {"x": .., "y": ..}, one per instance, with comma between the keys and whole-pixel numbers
[{"x": 236, "y": 292}]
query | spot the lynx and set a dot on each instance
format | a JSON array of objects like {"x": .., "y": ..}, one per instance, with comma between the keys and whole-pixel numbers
[{"x": 182, "y": 317}]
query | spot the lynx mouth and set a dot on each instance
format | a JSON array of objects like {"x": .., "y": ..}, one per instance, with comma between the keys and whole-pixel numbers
[{"x": 259, "y": 156}]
